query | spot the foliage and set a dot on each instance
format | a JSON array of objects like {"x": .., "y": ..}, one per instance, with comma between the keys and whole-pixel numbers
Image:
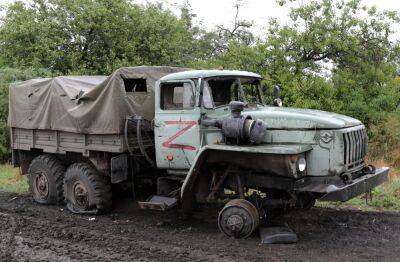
[
  {"x": 239, "y": 33},
  {"x": 97, "y": 37},
  {"x": 11, "y": 180},
  {"x": 332, "y": 55},
  {"x": 386, "y": 142}
]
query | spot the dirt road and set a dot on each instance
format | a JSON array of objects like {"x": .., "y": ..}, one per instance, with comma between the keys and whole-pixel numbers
[{"x": 30, "y": 232}]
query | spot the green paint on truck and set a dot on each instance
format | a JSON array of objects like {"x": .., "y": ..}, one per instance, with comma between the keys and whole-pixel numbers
[{"x": 188, "y": 135}]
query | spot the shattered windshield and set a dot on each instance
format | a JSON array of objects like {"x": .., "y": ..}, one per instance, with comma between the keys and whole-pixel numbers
[{"x": 219, "y": 92}]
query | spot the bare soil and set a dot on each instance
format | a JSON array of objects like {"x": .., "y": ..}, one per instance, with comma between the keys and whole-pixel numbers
[{"x": 30, "y": 232}]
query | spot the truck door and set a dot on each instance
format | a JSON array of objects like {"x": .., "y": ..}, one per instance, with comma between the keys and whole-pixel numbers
[{"x": 176, "y": 124}]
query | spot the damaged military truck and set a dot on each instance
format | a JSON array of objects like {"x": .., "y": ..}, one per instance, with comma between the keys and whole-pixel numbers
[{"x": 186, "y": 136}]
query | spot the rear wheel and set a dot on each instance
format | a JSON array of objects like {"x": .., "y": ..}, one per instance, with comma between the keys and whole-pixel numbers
[
  {"x": 239, "y": 218},
  {"x": 86, "y": 190},
  {"x": 45, "y": 175}
]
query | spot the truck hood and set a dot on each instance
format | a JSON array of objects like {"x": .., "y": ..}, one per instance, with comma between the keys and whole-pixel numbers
[{"x": 297, "y": 118}]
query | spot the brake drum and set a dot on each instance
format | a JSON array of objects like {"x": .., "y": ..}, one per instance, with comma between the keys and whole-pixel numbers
[{"x": 239, "y": 218}]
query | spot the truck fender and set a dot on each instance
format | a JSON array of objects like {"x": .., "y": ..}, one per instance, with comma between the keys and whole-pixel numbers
[{"x": 191, "y": 177}]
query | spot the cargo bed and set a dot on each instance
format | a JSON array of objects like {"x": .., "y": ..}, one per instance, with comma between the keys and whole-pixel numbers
[{"x": 60, "y": 142}]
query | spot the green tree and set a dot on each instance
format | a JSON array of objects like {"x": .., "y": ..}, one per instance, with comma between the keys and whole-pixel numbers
[
  {"x": 87, "y": 36},
  {"x": 333, "y": 55}
]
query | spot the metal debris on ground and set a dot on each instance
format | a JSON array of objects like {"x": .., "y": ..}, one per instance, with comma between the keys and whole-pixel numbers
[{"x": 277, "y": 235}]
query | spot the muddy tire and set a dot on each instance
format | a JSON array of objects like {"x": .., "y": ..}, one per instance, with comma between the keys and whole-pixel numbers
[
  {"x": 86, "y": 191},
  {"x": 45, "y": 174}
]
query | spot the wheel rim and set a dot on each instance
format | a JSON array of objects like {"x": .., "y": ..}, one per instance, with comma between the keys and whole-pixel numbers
[
  {"x": 81, "y": 195},
  {"x": 41, "y": 186}
]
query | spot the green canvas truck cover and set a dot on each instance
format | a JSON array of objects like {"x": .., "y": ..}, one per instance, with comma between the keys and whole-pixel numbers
[{"x": 85, "y": 104}]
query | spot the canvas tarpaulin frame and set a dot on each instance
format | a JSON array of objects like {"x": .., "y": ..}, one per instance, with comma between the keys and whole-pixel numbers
[{"x": 84, "y": 104}]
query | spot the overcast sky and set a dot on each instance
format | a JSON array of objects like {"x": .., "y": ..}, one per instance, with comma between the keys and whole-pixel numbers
[{"x": 221, "y": 12}]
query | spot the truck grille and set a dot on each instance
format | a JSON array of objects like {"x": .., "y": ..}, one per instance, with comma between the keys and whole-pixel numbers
[{"x": 355, "y": 147}]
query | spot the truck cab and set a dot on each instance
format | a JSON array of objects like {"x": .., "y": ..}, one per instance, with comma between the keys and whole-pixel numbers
[{"x": 303, "y": 154}]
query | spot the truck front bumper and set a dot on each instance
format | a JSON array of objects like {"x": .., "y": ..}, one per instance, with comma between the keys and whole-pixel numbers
[{"x": 334, "y": 189}]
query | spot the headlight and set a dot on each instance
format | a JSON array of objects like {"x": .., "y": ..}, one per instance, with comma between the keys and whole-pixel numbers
[{"x": 301, "y": 164}]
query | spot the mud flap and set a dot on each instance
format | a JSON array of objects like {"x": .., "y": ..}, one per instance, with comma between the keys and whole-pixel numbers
[{"x": 119, "y": 168}]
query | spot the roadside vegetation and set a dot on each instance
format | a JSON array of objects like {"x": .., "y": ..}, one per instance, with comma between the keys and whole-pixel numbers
[
  {"x": 332, "y": 55},
  {"x": 11, "y": 180}
]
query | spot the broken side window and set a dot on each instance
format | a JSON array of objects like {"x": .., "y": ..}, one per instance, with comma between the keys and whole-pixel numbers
[
  {"x": 135, "y": 85},
  {"x": 177, "y": 96}
]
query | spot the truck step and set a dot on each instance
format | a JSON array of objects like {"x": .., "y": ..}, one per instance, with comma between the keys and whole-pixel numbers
[{"x": 158, "y": 203}]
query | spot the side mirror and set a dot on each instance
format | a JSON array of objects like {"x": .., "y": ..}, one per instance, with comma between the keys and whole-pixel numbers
[{"x": 277, "y": 99}]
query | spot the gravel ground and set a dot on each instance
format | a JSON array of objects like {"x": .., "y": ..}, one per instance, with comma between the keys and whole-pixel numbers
[{"x": 30, "y": 232}]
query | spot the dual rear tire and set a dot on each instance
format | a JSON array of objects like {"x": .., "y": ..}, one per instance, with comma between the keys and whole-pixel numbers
[{"x": 81, "y": 186}]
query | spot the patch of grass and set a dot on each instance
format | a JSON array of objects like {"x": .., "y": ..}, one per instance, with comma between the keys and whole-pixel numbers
[
  {"x": 11, "y": 180},
  {"x": 385, "y": 197}
]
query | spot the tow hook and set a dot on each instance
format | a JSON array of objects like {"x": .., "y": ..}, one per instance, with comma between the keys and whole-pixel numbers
[
  {"x": 370, "y": 169},
  {"x": 347, "y": 178}
]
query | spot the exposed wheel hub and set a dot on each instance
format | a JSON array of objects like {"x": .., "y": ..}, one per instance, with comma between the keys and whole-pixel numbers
[
  {"x": 235, "y": 222},
  {"x": 81, "y": 195},
  {"x": 41, "y": 185},
  {"x": 239, "y": 218}
]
